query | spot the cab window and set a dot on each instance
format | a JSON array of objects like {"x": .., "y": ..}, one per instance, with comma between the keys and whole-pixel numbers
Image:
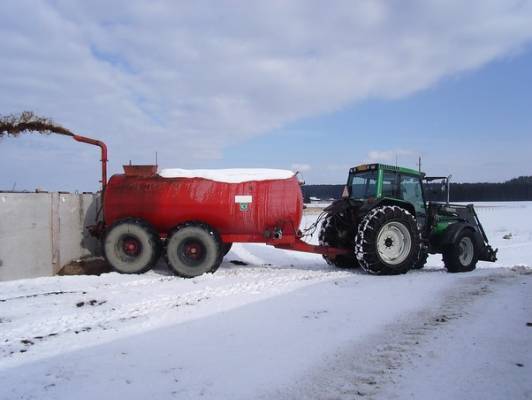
[
  {"x": 410, "y": 190},
  {"x": 364, "y": 185},
  {"x": 389, "y": 185}
]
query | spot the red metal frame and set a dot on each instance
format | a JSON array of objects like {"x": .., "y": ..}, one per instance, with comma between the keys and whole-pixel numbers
[
  {"x": 287, "y": 242},
  {"x": 300, "y": 245}
]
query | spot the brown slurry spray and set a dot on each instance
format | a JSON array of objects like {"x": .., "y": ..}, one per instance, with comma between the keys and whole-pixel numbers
[{"x": 27, "y": 122}]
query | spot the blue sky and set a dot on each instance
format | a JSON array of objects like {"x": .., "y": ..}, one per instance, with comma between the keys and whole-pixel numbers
[
  {"x": 302, "y": 84},
  {"x": 476, "y": 125}
]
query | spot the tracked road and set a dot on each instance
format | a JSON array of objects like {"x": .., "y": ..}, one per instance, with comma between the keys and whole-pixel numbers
[{"x": 260, "y": 332}]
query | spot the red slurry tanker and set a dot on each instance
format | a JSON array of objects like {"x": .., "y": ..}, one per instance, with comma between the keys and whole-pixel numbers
[{"x": 198, "y": 215}]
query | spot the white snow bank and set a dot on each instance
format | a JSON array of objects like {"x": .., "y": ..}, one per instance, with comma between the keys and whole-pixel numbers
[{"x": 232, "y": 175}]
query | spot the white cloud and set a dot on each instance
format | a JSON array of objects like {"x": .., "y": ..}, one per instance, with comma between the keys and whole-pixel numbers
[
  {"x": 301, "y": 167},
  {"x": 190, "y": 78},
  {"x": 389, "y": 155}
]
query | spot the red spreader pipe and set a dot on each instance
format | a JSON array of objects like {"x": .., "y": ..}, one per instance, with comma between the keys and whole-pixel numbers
[{"x": 103, "y": 148}]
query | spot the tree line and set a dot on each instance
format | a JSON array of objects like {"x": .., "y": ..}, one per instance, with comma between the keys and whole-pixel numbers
[{"x": 517, "y": 189}]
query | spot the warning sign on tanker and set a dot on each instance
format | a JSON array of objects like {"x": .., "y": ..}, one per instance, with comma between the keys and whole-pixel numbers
[{"x": 244, "y": 201}]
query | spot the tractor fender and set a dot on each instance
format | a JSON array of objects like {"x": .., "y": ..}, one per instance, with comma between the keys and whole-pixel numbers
[
  {"x": 452, "y": 233},
  {"x": 392, "y": 202},
  {"x": 338, "y": 206}
]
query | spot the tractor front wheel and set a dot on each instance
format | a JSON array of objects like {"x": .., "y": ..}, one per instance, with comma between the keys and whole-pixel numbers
[
  {"x": 387, "y": 241},
  {"x": 462, "y": 256}
]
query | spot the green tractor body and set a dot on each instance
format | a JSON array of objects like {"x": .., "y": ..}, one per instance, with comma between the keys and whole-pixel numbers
[{"x": 385, "y": 220}]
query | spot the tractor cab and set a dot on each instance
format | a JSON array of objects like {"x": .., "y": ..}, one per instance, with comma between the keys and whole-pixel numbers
[{"x": 386, "y": 183}]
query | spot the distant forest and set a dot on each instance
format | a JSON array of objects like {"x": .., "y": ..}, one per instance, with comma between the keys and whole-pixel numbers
[{"x": 516, "y": 189}]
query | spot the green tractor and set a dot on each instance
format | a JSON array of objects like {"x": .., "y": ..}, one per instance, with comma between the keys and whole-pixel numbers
[{"x": 385, "y": 221}]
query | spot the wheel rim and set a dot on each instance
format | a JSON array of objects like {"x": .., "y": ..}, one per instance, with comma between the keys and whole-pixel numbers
[
  {"x": 394, "y": 243},
  {"x": 192, "y": 252},
  {"x": 129, "y": 246},
  {"x": 465, "y": 251}
]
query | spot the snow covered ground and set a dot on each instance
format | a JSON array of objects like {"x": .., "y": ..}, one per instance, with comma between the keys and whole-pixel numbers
[{"x": 274, "y": 324}]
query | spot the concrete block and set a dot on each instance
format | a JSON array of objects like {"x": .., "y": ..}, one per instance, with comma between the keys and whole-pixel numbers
[{"x": 42, "y": 232}]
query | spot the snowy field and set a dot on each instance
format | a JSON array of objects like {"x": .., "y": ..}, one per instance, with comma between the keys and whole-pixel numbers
[{"x": 274, "y": 324}]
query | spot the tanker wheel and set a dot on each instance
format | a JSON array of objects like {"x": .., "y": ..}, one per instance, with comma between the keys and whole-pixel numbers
[
  {"x": 334, "y": 232},
  {"x": 131, "y": 246},
  {"x": 387, "y": 241},
  {"x": 226, "y": 247},
  {"x": 193, "y": 249}
]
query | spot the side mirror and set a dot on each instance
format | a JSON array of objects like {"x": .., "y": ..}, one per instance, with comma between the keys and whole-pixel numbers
[{"x": 345, "y": 193}]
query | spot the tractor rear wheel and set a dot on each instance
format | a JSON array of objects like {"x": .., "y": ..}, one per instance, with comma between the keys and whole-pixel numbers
[
  {"x": 387, "y": 241},
  {"x": 193, "y": 249},
  {"x": 334, "y": 233},
  {"x": 131, "y": 246},
  {"x": 462, "y": 256}
]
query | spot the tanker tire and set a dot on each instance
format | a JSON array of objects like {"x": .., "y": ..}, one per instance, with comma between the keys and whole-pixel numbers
[
  {"x": 392, "y": 225},
  {"x": 193, "y": 249},
  {"x": 226, "y": 247},
  {"x": 462, "y": 256},
  {"x": 329, "y": 237},
  {"x": 145, "y": 246}
]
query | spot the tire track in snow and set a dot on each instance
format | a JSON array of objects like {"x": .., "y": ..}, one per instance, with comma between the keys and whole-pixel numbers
[{"x": 363, "y": 371}]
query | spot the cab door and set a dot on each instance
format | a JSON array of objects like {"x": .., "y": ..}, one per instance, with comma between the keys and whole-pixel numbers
[{"x": 411, "y": 190}]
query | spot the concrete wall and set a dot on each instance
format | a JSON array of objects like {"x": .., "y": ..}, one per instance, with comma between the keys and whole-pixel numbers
[{"x": 42, "y": 232}]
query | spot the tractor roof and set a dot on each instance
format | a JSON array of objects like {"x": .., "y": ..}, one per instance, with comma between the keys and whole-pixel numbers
[{"x": 386, "y": 167}]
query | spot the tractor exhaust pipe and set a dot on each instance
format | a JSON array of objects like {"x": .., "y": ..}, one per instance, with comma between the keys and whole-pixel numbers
[{"x": 448, "y": 183}]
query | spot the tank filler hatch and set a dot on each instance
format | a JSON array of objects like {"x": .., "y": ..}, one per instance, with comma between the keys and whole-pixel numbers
[{"x": 140, "y": 170}]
